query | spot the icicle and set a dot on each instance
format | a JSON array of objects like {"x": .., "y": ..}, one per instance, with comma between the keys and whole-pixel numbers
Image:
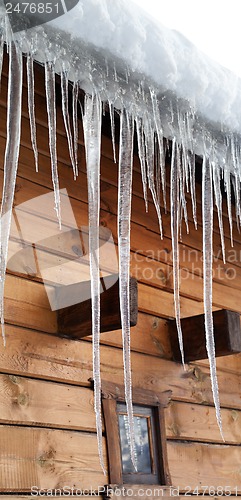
[
  {"x": 183, "y": 208},
  {"x": 1, "y": 54},
  {"x": 75, "y": 93},
  {"x": 159, "y": 131},
  {"x": 229, "y": 202},
  {"x": 31, "y": 107},
  {"x": 191, "y": 165},
  {"x": 175, "y": 217},
  {"x": 112, "y": 122},
  {"x": 150, "y": 160},
  {"x": 157, "y": 170},
  {"x": 141, "y": 154},
  {"x": 51, "y": 110},
  {"x": 92, "y": 135},
  {"x": 218, "y": 202},
  {"x": 124, "y": 215},
  {"x": 207, "y": 214},
  {"x": 14, "y": 106},
  {"x": 236, "y": 188},
  {"x": 65, "y": 111}
]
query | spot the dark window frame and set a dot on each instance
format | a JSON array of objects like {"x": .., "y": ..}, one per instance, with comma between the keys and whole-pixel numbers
[{"x": 112, "y": 394}]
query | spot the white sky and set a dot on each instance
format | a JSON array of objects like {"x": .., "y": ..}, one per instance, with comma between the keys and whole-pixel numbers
[{"x": 214, "y": 26}]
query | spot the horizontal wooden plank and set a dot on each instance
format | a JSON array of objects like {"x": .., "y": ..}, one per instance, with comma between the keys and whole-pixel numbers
[
  {"x": 40, "y": 403},
  {"x": 167, "y": 496},
  {"x": 44, "y": 356},
  {"x": 24, "y": 309},
  {"x": 53, "y": 459},
  {"x": 143, "y": 268},
  {"x": 48, "y": 459},
  {"x": 108, "y": 202},
  {"x": 198, "y": 423},
  {"x": 197, "y": 465},
  {"x": 230, "y": 365},
  {"x": 27, "y": 305}
]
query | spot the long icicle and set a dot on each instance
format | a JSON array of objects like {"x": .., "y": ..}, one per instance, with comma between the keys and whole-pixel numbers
[
  {"x": 207, "y": 215},
  {"x": 112, "y": 124},
  {"x": 159, "y": 132},
  {"x": 227, "y": 184},
  {"x": 14, "y": 107},
  {"x": 218, "y": 202},
  {"x": 75, "y": 93},
  {"x": 124, "y": 216},
  {"x": 31, "y": 108},
  {"x": 150, "y": 161},
  {"x": 51, "y": 110},
  {"x": 191, "y": 166},
  {"x": 175, "y": 217},
  {"x": 92, "y": 120},
  {"x": 65, "y": 112},
  {"x": 142, "y": 157}
]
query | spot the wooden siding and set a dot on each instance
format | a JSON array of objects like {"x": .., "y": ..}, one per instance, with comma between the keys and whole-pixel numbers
[{"x": 47, "y": 421}]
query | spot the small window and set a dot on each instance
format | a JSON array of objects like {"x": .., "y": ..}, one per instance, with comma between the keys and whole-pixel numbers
[{"x": 150, "y": 439}]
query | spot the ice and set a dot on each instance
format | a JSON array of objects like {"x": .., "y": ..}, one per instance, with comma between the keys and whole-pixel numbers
[
  {"x": 31, "y": 107},
  {"x": 141, "y": 153},
  {"x": 124, "y": 215},
  {"x": 227, "y": 185},
  {"x": 153, "y": 77},
  {"x": 51, "y": 110},
  {"x": 92, "y": 120},
  {"x": 65, "y": 111},
  {"x": 10, "y": 161},
  {"x": 175, "y": 219},
  {"x": 191, "y": 166},
  {"x": 75, "y": 93},
  {"x": 112, "y": 122},
  {"x": 162, "y": 156},
  {"x": 150, "y": 161},
  {"x": 207, "y": 215},
  {"x": 218, "y": 202}
]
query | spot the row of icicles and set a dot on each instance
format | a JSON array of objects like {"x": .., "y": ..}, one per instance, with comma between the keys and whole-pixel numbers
[{"x": 152, "y": 152}]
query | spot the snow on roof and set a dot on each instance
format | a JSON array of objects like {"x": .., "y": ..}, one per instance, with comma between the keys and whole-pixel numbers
[{"x": 125, "y": 33}]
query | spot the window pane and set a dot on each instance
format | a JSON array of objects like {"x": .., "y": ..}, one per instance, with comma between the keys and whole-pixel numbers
[{"x": 143, "y": 456}]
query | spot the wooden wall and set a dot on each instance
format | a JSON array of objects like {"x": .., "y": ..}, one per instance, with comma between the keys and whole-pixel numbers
[{"x": 47, "y": 421}]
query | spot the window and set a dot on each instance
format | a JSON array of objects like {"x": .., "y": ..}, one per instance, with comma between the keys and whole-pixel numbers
[{"x": 150, "y": 439}]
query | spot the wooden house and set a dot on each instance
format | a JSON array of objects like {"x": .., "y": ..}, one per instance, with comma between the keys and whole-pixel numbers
[{"x": 47, "y": 419}]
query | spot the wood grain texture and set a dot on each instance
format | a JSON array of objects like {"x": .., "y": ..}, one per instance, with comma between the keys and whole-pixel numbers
[
  {"x": 47, "y": 357},
  {"x": 37, "y": 402},
  {"x": 227, "y": 336},
  {"x": 48, "y": 459},
  {"x": 46, "y": 455},
  {"x": 193, "y": 465},
  {"x": 40, "y": 403},
  {"x": 75, "y": 320},
  {"x": 143, "y": 264},
  {"x": 185, "y": 421}
]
